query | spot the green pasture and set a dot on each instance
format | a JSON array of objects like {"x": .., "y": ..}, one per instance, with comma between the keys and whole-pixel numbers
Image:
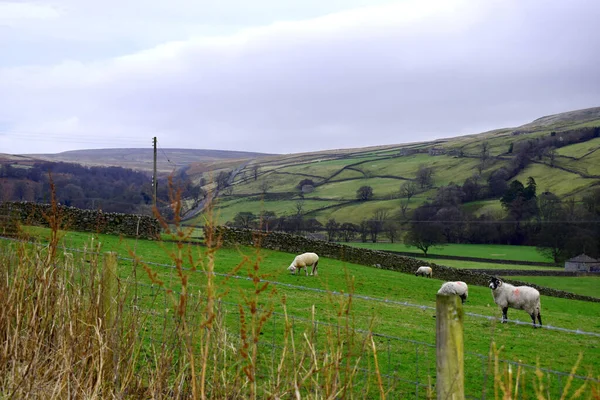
[
  {"x": 227, "y": 212},
  {"x": 347, "y": 174},
  {"x": 585, "y": 285},
  {"x": 277, "y": 182},
  {"x": 322, "y": 168},
  {"x": 491, "y": 251},
  {"x": 483, "y": 265},
  {"x": 589, "y": 164},
  {"x": 346, "y": 190},
  {"x": 554, "y": 350},
  {"x": 578, "y": 150},
  {"x": 405, "y": 166},
  {"x": 554, "y": 180},
  {"x": 357, "y": 211}
]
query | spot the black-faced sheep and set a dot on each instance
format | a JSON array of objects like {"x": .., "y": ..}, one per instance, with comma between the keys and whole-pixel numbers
[
  {"x": 519, "y": 297},
  {"x": 424, "y": 271},
  {"x": 459, "y": 288},
  {"x": 304, "y": 261}
]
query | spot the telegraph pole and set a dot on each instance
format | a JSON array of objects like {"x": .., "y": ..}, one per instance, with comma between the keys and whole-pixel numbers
[{"x": 154, "y": 178}]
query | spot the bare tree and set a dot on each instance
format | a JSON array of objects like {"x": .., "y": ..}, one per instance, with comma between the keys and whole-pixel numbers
[
  {"x": 255, "y": 169},
  {"x": 392, "y": 231},
  {"x": 407, "y": 191},
  {"x": 551, "y": 154},
  {"x": 485, "y": 152},
  {"x": 264, "y": 186},
  {"x": 376, "y": 223}
]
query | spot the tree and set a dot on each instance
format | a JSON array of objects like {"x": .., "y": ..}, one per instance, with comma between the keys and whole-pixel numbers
[
  {"x": 255, "y": 170},
  {"x": 312, "y": 225},
  {"x": 267, "y": 220},
  {"x": 391, "y": 230},
  {"x": 20, "y": 190},
  {"x": 363, "y": 230},
  {"x": 451, "y": 222},
  {"x": 348, "y": 231},
  {"x": 376, "y": 223},
  {"x": 71, "y": 193},
  {"x": 553, "y": 238},
  {"x": 424, "y": 176},
  {"x": 484, "y": 154},
  {"x": 332, "y": 228},
  {"x": 264, "y": 186},
  {"x": 424, "y": 230},
  {"x": 299, "y": 207},
  {"x": 497, "y": 182},
  {"x": 451, "y": 195},
  {"x": 223, "y": 180},
  {"x": 364, "y": 193},
  {"x": 551, "y": 154},
  {"x": 407, "y": 190},
  {"x": 471, "y": 189},
  {"x": 244, "y": 219}
]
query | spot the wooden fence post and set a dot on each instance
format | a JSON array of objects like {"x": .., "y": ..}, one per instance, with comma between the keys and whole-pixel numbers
[
  {"x": 450, "y": 378},
  {"x": 109, "y": 302}
]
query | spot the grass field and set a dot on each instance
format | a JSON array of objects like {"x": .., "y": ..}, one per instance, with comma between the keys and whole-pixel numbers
[
  {"x": 227, "y": 211},
  {"x": 579, "y": 149},
  {"x": 555, "y": 350},
  {"x": 482, "y": 265},
  {"x": 491, "y": 251},
  {"x": 585, "y": 285},
  {"x": 554, "y": 180}
]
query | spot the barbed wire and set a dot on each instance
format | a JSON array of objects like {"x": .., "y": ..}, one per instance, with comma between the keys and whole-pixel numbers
[{"x": 334, "y": 292}]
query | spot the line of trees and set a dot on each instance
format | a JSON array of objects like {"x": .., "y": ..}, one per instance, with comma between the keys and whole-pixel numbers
[{"x": 113, "y": 189}]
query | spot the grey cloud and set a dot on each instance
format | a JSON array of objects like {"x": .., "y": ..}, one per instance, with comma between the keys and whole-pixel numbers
[{"x": 345, "y": 80}]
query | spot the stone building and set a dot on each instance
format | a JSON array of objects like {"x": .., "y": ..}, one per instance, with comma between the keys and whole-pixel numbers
[{"x": 582, "y": 263}]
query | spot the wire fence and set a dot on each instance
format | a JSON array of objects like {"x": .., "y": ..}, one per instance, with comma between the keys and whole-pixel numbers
[{"x": 408, "y": 367}]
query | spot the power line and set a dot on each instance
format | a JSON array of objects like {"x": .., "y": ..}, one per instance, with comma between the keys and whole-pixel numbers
[{"x": 165, "y": 154}]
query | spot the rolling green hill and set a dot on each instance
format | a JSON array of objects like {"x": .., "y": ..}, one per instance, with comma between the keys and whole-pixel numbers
[{"x": 271, "y": 183}]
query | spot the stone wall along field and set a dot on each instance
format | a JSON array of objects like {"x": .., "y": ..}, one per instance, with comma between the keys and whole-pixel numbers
[
  {"x": 77, "y": 219},
  {"x": 373, "y": 258}
]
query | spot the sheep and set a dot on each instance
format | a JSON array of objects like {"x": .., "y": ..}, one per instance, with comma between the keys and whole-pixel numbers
[
  {"x": 520, "y": 297},
  {"x": 304, "y": 261},
  {"x": 459, "y": 288},
  {"x": 424, "y": 271}
]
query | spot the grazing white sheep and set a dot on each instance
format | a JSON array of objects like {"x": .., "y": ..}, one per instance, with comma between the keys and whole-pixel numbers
[
  {"x": 459, "y": 288},
  {"x": 519, "y": 297},
  {"x": 304, "y": 261},
  {"x": 424, "y": 271}
]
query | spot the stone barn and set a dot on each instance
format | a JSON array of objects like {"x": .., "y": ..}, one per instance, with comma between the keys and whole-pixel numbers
[{"x": 582, "y": 263}]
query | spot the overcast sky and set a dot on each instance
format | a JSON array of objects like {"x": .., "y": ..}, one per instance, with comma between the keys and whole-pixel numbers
[{"x": 286, "y": 76}]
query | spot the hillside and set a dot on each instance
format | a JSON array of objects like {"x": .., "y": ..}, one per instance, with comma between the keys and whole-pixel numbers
[
  {"x": 139, "y": 159},
  {"x": 560, "y": 153}
]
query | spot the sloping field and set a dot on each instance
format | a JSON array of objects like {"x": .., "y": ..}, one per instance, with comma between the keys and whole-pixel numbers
[
  {"x": 554, "y": 180},
  {"x": 382, "y": 187},
  {"x": 227, "y": 210},
  {"x": 579, "y": 150}
]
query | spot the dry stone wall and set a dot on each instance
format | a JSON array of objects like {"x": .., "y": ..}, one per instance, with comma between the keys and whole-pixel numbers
[
  {"x": 84, "y": 220},
  {"x": 373, "y": 258}
]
